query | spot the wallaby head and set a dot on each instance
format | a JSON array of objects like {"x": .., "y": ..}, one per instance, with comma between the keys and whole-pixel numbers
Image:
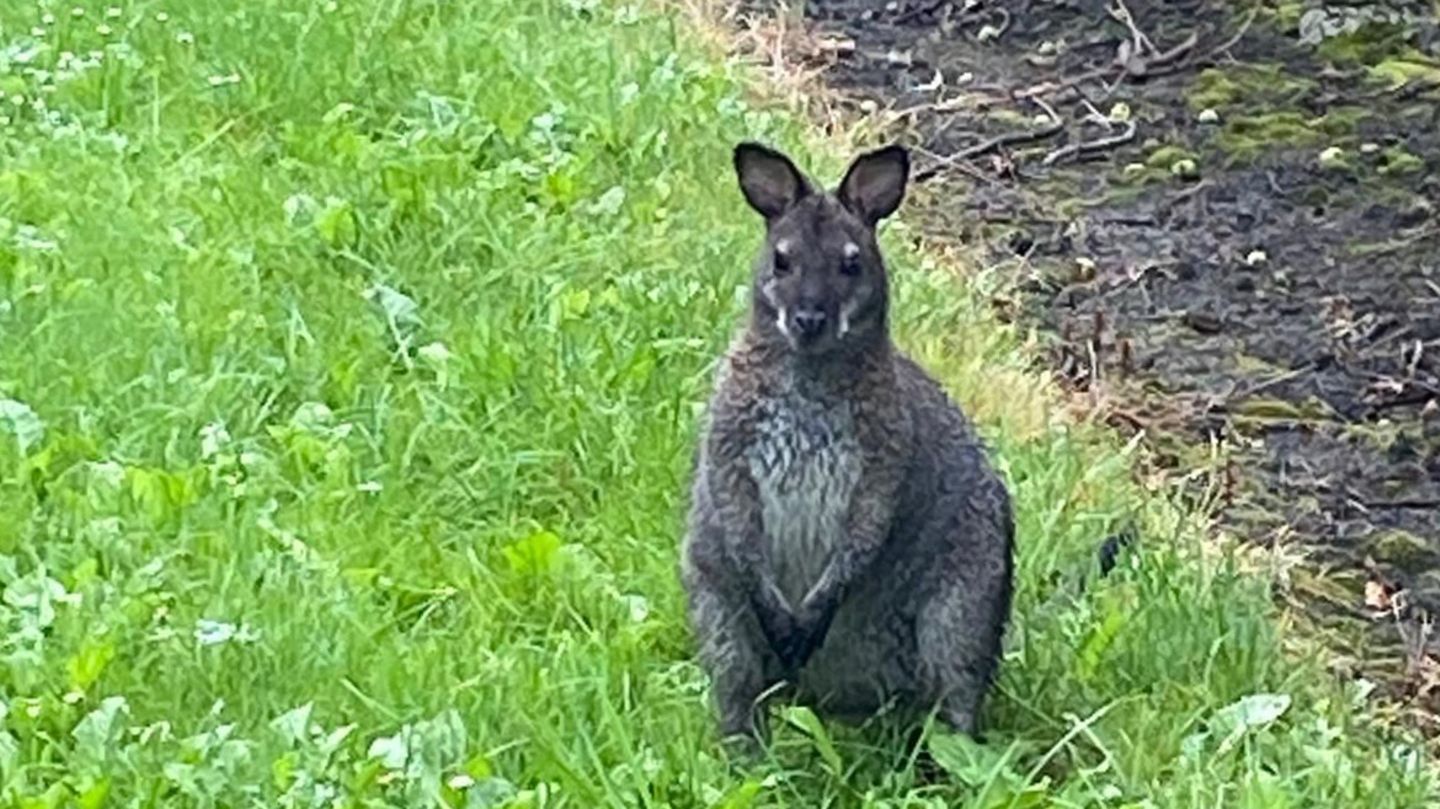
[{"x": 820, "y": 280}]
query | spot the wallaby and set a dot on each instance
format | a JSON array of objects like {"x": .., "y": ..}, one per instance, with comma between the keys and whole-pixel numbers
[{"x": 847, "y": 534}]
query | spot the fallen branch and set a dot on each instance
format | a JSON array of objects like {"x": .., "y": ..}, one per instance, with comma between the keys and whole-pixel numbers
[
  {"x": 1050, "y": 87},
  {"x": 943, "y": 162},
  {"x": 1412, "y": 399},
  {"x": 1138, "y": 40},
  {"x": 1166, "y": 57},
  {"x": 1396, "y": 244},
  {"x": 996, "y": 33},
  {"x": 1234, "y": 40},
  {"x": 1168, "y": 66},
  {"x": 920, "y": 11},
  {"x": 986, "y": 147},
  {"x": 1088, "y": 147},
  {"x": 1184, "y": 195},
  {"x": 1403, "y": 504},
  {"x": 1278, "y": 379},
  {"x": 1160, "y": 63},
  {"x": 1049, "y": 110},
  {"x": 944, "y": 105}
]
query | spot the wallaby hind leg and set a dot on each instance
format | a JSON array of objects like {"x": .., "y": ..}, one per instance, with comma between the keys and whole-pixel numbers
[
  {"x": 959, "y": 632},
  {"x": 732, "y": 651}
]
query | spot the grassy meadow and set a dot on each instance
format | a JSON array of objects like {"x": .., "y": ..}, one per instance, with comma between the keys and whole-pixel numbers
[{"x": 350, "y": 362}]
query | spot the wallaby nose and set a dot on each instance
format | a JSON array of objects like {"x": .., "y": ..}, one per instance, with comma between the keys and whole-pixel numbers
[{"x": 810, "y": 322}]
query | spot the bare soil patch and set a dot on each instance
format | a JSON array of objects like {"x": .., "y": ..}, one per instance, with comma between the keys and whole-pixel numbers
[{"x": 1227, "y": 217}]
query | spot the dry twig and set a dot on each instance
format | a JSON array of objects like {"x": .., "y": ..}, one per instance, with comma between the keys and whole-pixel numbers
[
  {"x": 920, "y": 11},
  {"x": 985, "y": 147},
  {"x": 1089, "y": 147}
]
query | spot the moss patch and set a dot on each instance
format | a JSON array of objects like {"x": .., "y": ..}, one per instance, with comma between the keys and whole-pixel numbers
[
  {"x": 1396, "y": 161},
  {"x": 1166, "y": 156},
  {"x": 1400, "y": 548},
  {"x": 1367, "y": 45},
  {"x": 1244, "y": 85},
  {"x": 1405, "y": 68},
  {"x": 1248, "y": 136},
  {"x": 1286, "y": 15}
]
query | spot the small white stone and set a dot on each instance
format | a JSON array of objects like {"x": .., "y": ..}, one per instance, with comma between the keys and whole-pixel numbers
[
  {"x": 461, "y": 781},
  {"x": 1208, "y": 116},
  {"x": 1185, "y": 168},
  {"x": 899, "y": 58}
]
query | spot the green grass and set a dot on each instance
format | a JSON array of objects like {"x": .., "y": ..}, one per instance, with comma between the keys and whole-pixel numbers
[{"x": 350, "y": 359}]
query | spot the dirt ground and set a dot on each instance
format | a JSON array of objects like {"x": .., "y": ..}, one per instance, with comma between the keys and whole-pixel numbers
[{"x": 1224, "y": 217}]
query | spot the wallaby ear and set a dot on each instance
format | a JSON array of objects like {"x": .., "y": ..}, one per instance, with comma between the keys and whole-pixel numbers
[
  {"x": 874, "y": 185},
  {"x": 771, "y": 182}
]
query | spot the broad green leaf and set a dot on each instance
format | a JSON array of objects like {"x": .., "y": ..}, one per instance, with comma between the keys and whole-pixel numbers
[
  {"x": 805, "y": 720},
  {"x": 1231, "y": 723},
  {"x": 534, "y": 554},
  {"x": 294, "y": 724},
  {"x": 96, "y": 733},
  {"x": 1097, "y": 641},
  {"x": 742, "y": 796},
  {"x": 95, "y": 795},
  {"x": 336, "y": 223},
  {"x": 86, "y": 666},
  {"x": 20, "y": 421},
  {"x": 965, "y": 759}
]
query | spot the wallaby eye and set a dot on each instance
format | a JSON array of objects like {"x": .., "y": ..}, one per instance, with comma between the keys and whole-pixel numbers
[
  {"x": 850, "y": 262},
  {"x": 781, "y": 263}
]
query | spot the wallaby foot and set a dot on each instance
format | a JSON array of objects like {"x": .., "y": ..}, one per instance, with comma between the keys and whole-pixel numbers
[
  {"x": 743, "y": 748},
  {"x": 959, "y": 717},
  {"x": 733, "y": 654},
  {"x": 959, "y": 650},
  {"x": 742, "y": 716},
  {"x": 960, "y": 680},
  {"x": 964, "y": 720}
]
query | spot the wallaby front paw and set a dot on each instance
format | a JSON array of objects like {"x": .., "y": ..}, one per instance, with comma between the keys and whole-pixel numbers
[
  {"x": 782, "y": 631},
  {"x": 743, "y": 748},
  {"x": 812, "y": 625},
  {"x": 790, "y": 645}
]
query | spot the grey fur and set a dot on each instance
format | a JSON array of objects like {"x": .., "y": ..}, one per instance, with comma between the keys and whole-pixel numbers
[{"x": 846, "y": 533}]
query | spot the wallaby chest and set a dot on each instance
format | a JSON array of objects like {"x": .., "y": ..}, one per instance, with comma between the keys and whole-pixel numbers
[{"x": 806, "y": 461}]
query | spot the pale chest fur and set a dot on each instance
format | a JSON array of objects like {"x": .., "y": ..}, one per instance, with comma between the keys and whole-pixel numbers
[{"x": 806, "y": 462}]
